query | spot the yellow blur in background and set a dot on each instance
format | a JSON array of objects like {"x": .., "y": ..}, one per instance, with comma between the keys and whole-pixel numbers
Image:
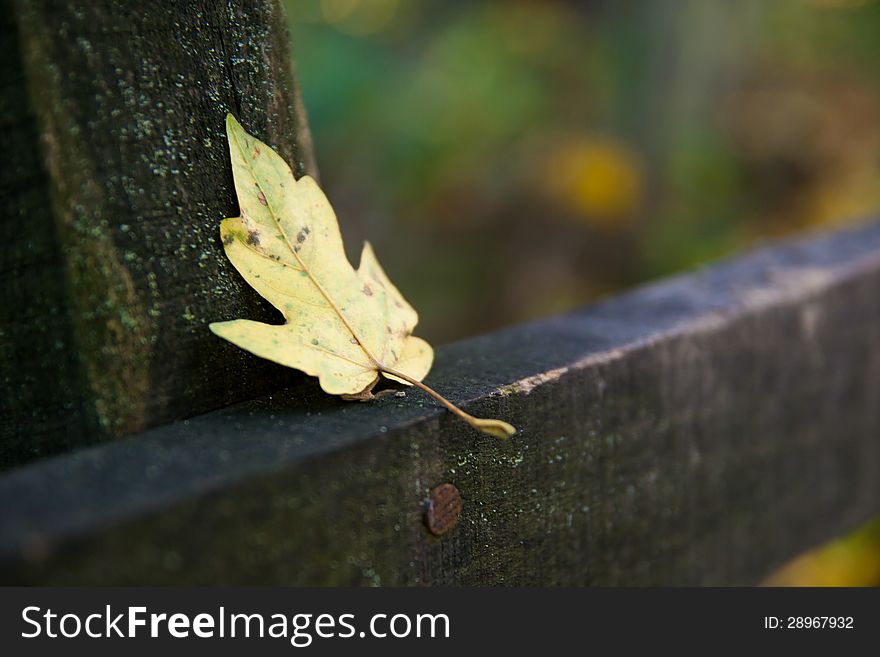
[
  {"x": 599, "y": 180},
  {"x": 853, "y": 560},
  {"x": 604, "y": 143}
]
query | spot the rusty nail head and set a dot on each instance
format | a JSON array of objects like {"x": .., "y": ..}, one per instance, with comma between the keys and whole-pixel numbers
[{"x": 442, "y": 509}]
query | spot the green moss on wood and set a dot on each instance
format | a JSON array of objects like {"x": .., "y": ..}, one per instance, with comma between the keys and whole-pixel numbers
[{"x": 130, "y": 105}]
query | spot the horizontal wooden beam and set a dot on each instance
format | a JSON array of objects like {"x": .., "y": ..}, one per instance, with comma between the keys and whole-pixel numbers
[{"x": 701, "y": 430}]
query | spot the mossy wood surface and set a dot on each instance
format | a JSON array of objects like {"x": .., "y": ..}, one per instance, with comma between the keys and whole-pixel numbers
[
  {"x": 113, "y": 121},
  {"x": 702, "y": 430}
]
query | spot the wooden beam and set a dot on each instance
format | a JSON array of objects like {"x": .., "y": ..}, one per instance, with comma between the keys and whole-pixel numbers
[
  {"x": 116, "y": 180},
  {"x": 701, "y": 430}
]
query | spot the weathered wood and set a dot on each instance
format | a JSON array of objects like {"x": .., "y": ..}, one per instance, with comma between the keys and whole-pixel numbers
[
  {"x": 41, "y": 394},
  {"x": 117, "y": 179},
  {"x": 698, "y": 431}
]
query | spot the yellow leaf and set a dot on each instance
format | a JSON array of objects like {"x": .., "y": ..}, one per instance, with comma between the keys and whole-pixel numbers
[{"x": 342, "y": 325}]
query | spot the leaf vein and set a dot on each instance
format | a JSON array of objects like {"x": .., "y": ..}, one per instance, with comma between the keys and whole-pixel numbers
[{"x": 299, "y": 259}]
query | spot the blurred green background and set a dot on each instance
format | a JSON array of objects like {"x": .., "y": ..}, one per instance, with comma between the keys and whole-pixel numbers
[
  {"x": 514, "y": 159},
  {"x": 509, "y": 160}
]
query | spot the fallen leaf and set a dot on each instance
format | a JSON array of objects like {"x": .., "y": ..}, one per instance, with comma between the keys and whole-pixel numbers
[{"x": 347, "y": 327}]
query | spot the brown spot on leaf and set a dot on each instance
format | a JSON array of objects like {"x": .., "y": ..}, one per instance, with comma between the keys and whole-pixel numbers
[
  {"x": 262, "y": 197},
  {"x": 301, "y": 236},
  {"x": 255, "y": 153},
  {"x": 306, "y": 230},
  {"x": 253, "y": 238},
  {"x": 368, "y": 290},
  {"x": 228, "y": 239}
]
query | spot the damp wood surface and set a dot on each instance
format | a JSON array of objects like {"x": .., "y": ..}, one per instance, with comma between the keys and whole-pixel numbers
[
  {"x": 118, "y": 177},
  {"x": 700, "y": 430}
]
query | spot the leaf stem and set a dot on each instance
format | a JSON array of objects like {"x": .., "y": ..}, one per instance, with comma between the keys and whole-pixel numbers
[{"x": 497, "y": 428}]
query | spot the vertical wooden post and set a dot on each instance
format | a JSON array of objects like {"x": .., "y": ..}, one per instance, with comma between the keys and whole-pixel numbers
[{"x": 115, "y": 181}]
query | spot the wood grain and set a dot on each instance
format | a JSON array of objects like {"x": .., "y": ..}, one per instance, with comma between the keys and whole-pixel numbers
[
  {"x": 701, "y": 430},
  {"x": 112, "y": 264}
]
